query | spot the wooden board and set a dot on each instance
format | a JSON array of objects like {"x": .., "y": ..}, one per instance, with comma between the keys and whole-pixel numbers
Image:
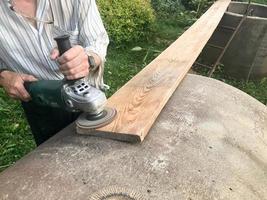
[{"x": 140, "y": 101}]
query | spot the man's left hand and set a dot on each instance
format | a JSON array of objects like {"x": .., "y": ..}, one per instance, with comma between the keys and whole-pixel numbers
[{"x": 73, "y": 63}]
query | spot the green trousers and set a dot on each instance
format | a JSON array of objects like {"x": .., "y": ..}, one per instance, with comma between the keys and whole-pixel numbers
[{"x": 46, "y": 121}]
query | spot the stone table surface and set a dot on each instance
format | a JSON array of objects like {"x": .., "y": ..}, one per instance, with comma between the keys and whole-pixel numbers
[{"x": 209, "y": 142}]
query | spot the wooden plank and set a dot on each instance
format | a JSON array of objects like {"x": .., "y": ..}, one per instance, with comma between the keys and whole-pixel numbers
[{"x": 140, "y": 101}]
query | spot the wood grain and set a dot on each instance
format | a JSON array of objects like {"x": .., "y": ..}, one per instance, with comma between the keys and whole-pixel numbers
[{"x": 140, "y": 101}]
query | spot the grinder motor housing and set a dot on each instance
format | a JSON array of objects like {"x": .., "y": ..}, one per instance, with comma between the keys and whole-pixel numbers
[{"x": 72, "y": 95}]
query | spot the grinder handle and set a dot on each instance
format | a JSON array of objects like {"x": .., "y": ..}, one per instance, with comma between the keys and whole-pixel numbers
[{"x": 63, "y": 44}]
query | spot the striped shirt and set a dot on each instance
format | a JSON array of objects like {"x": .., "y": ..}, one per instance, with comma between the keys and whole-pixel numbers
[{"x": 26, "y": 49}]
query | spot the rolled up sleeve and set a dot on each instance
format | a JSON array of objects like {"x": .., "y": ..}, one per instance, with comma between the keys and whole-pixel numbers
[{"x": 93, "y": 35}]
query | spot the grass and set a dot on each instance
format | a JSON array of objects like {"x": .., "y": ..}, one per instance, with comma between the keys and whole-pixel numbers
[
  {"x": 15, "y": 137},
  {"x": 260, "y": 1},
  {"x": 122, "y": 64},
  {"x": 254, "y": 1},
  {"x": 255, "y": 88}
]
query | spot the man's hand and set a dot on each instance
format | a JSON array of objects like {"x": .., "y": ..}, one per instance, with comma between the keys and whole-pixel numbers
[
  {"x": 73, "y": 63},
  {"x": 13, "y": 84}
]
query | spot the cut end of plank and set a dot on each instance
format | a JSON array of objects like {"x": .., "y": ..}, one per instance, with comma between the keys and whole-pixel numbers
[{"x": 131, "y": 138}]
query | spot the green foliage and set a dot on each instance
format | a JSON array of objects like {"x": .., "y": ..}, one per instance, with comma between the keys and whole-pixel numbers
[
  {"x": 260, "y": 1},
  {"x": 197, "y": 5},
  {"x": 186, "y": 18},
  {"x": 126, "y": 20},
  {"x": 166, "y": 8},
  {"x": 184, "y": 12}
]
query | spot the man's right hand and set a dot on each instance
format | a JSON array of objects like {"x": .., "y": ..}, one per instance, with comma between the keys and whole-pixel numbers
[{"x": 13, "y": 84}]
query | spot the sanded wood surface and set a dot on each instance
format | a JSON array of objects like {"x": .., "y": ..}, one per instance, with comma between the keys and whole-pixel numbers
[{"x": 140, "y": 101}]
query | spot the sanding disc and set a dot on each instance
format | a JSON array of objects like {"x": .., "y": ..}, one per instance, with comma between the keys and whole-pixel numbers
[
  {"x": 86, "y": 121},
  {"x": 117, "y": 193}
]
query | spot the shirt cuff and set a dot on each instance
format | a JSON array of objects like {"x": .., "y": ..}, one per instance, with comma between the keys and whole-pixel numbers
[{"x": 90, "y": 50}]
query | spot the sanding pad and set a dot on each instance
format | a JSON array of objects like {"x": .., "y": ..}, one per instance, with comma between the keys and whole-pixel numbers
[{"x": 86, "y": 121}]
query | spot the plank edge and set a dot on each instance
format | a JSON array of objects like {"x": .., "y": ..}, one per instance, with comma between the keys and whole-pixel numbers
[{"x": 131, "y": 138}]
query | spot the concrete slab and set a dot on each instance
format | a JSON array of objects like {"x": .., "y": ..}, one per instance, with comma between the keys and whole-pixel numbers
[{"x": 210, "y": 142}]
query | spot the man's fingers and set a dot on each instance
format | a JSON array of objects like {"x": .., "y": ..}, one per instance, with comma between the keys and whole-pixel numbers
[
  {"x": 19, "y": 93},
  {"x": 28, "y": 78},
  {"x": 70, "y": 54},
  {"x": 77, "y": 61},
  {"x": 81, "y": 74},
  {"x": 81, "y": 69},
  {"x": 24, "y": 95},
  {"x": 54, "y": 54}
]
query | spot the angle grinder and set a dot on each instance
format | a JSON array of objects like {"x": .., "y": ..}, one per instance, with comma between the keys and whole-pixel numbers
[{"x": 73, "y": 95}]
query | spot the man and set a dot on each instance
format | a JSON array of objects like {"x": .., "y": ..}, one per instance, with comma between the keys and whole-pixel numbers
[{"x": 28, "y": 53}]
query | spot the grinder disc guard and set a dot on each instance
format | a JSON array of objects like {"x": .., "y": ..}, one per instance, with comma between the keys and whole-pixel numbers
[{"x": 87, "y": 121}]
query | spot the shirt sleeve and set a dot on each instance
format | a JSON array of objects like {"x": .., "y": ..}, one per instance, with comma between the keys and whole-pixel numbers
[
  {"x": 2, "y": 64},
  {"x": 93, "y": 38},
  {"x": 93, "y": 35}
]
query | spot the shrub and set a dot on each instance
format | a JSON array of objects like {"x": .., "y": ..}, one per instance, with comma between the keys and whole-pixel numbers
[
  {"x": 166, "y": 8},
  {"x": 197, "y": 5},
  {"x": 126, "y": 20}
]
